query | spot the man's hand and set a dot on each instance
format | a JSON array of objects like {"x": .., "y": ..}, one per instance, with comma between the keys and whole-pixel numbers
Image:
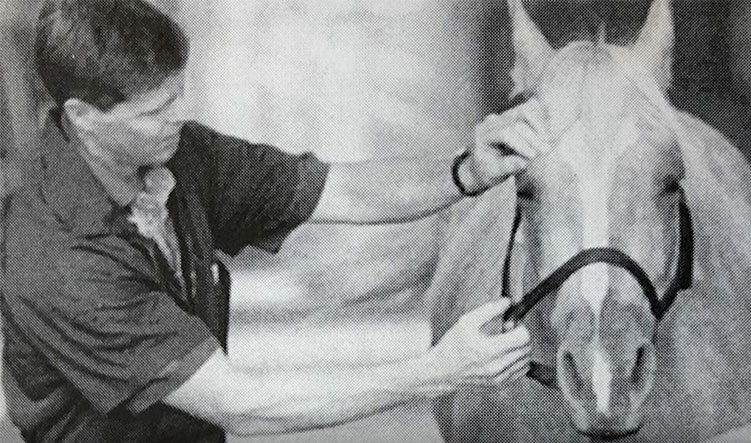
[
  {"x": 504, "y": 145},
  {"x": 468, "y": 356}
]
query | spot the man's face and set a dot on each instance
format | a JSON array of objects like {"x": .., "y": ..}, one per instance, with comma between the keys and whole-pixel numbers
[{"x": 143, "y": 131}]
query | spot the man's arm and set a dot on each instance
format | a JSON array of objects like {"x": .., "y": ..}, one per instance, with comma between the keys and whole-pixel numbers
[
  {"x": 404, "y": 189},
  {"x": 246, "y": 402},
  {"x": 394, "y": 190}
]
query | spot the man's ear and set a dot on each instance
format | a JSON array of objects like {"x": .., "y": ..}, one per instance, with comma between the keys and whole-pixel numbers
[{"x": 82, "y": 115}]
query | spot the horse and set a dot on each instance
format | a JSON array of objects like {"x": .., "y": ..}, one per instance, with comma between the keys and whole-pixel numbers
[{"x": 630, "y": 175}]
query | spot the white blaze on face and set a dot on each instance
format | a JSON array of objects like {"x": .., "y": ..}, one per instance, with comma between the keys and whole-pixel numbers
[
  {"x": 595, "y": 233},
  {"x": 595, "y": 282},
  {"x": 595, "y": 191},
  {"x": 602, "y": 378}
]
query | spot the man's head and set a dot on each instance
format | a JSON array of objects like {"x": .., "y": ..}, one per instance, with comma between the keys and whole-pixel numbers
[{"x": 115, "y": 67}]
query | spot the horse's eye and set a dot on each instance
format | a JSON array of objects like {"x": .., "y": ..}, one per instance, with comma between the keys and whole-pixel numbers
[
  {"x": 671, "y": 187},
  {"x": 525, "y": 193},
  {"x": 526, "y": 188}
]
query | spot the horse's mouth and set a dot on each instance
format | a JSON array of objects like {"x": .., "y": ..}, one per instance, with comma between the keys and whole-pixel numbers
[{"x": 609, "y": 435}]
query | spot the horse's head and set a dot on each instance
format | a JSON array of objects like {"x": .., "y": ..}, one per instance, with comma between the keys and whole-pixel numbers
[{"x": 610, "y": 181}]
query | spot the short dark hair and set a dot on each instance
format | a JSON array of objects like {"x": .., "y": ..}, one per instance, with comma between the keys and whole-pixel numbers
[{"x": 104, "y": 52}]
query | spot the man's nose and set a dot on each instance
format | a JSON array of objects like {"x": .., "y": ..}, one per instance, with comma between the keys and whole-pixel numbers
[{"x": 181, "y": 110}]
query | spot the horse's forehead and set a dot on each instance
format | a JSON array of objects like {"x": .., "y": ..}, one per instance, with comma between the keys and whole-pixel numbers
[{"x": 592, "y": 108}]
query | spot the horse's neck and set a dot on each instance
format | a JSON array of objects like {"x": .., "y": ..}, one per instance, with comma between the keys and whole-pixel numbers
[
  {"x": 717, "y": 177},
  {"x": 704, "y": 339}
]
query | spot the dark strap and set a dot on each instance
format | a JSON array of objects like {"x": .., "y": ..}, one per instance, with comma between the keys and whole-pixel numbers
[
  {"x": 506, "y": 288},
  {"x": 684, "y": 276},
  {"x": 659, "y": 306},
  {"x": 544, "y": 374}
]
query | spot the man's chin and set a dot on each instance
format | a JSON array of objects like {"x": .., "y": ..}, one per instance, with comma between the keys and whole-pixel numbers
[
  {"x": 165, "y": 154},
  {"x": 164, "y": 158}
]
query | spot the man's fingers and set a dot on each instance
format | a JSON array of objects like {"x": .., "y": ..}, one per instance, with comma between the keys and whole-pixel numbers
[
  {"x": 513, "y": 165},
  {"x": 503, "y": 368},
  {"x": 493, "y": 133},
  {"x": 536, "y": 116},
  {"x": 539, "y": 141},
  {"x": 509, "y": 358},
  {"x": 521, "y": 365},
  {"x": 520, "y": 139},
  {"x": 528, "y": 121},
  {"x": 511, "y": 142},
  {"x": 500, "y": 375},
  {"x": 512, "y": 375},
  {"x": 517, "y": 338}
]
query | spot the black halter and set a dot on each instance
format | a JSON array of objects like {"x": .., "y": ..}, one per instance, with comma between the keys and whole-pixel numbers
[{"x": 682, "y": 280}]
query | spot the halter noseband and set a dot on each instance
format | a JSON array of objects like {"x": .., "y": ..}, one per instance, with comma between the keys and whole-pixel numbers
[{"x": 682, "y": 280}]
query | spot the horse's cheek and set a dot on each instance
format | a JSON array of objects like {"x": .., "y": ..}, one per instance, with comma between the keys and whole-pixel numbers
[{"x": 691, "y": 388}]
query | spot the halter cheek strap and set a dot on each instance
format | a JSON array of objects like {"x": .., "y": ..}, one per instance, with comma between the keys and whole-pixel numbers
[{"x": 682, "y": 280}]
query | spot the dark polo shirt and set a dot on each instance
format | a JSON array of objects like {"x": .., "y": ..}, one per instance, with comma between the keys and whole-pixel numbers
[{"x": 97, "y": 326}]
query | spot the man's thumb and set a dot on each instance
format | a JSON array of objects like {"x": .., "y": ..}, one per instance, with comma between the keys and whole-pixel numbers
[
  {"x": 515, "y": 164},
  {"x": 487, "y": 312}
]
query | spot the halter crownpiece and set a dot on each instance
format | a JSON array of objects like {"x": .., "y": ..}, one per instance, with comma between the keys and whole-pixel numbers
[{"x": 682, "y": 280}]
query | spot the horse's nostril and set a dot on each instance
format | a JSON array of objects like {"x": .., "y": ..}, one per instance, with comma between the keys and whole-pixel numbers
[
  {"x": 637, "y": 374},
  {"x": 642, "y": 373},
  {"x": 571, "y": 375}
]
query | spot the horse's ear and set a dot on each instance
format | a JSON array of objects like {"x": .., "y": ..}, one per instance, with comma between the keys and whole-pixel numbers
[
  {"x": 653, "y": 49},
  {"x": 532, "y": 52}
]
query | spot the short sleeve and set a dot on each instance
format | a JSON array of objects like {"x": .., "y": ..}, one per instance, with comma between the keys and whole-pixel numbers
[
  {"x": 110, "y": 331},
  {"x": 259, "y": 193}
]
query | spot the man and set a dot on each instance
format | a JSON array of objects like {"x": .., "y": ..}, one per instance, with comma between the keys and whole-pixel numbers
[{"x": 115, "y": 306}]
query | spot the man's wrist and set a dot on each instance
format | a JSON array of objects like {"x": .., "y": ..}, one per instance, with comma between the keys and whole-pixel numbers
[{"x": 429, "y": 379}]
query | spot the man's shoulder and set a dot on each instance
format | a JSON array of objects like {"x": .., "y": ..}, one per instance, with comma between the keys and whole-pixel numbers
[
  {"x": 43, "y": 258},
  {"x": 206, "y": 155},
  {"x": 194, "y": 132},
  {"x": 203, "y": 139}
]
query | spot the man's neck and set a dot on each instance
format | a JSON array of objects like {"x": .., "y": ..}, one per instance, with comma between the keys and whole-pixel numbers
[{"x": 122, "y": 182}]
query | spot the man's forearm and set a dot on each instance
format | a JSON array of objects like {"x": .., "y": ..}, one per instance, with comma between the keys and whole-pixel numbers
[
  {"x": 247, "y": 402},
  {"x": 282, "y": 402},
  {"x": 389, "y": 190}
]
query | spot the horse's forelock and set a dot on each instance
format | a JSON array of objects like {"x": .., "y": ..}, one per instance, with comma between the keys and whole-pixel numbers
[{"x": 590, "y": 83}]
